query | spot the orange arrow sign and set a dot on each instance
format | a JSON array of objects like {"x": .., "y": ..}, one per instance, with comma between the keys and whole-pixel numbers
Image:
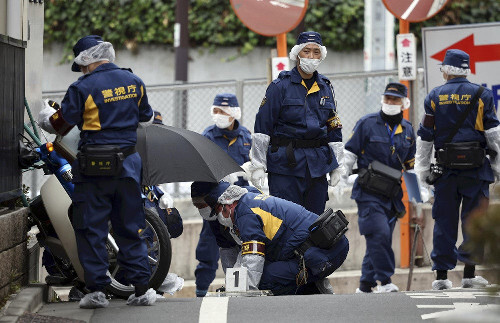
[{"x": 480, "y": 53}]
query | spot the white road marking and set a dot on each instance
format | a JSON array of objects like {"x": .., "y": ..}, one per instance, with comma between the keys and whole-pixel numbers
[
  {"x": 410, "y": 9},
  {"x": 456, "y": 307},
  {"x": 214, "y": 310},
  {"x": 459, "y": 295}
]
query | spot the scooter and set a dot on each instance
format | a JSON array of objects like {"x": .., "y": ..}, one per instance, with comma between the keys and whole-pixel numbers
[{"x": 51, "y": 213}]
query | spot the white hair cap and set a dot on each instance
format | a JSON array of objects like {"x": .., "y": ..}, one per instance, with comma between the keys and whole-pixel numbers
[
  {"x": 231, "y": 194},
  {"x": 102, "y": 52},
  {"x": 234, "y": 112},
  {"x": 294, "y": 52},
  {"x": 453, "y": 70}
]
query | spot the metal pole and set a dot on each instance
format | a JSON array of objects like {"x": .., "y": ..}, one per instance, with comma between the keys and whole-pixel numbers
[
  {"x": 404, "y": 28},
  {"x": 181, "y": 44}
]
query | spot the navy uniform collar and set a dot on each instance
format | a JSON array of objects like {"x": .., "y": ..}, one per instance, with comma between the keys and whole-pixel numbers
[
  {"x": 458, "y": 80},
  {"x": 218, "y": 132},
  {"x": 297, "y": 78},
  {"x": 100, "y": 68},
  {"x": 401, "y": 125}
]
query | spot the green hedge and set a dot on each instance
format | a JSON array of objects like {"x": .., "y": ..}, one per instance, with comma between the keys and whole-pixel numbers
[{"x": 212, "y": 23}]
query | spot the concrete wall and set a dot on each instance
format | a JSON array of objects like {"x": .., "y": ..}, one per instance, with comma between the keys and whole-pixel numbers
[
  {"x": 155, "y": 65},
  {"x": 13, "y": 251}
]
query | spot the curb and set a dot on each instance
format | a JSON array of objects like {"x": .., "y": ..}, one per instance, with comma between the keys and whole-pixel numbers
[{"x": 29, "y": 300}]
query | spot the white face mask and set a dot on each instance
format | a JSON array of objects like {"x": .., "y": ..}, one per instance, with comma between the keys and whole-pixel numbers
[
  {"x": 309, "y": 65},
  {"x": 227, "y": 222},
  {"x": 221, "y": 121},
  {"x": 391, "y": 109},
  {"x": 205, "y": 213}
]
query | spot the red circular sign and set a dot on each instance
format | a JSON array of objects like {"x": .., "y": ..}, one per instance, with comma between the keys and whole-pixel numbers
[
  {"x": 270, "y": 17},
  {"x": 414, "y": 10}
]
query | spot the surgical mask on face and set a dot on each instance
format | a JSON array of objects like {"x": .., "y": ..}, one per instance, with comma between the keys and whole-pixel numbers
[
  {"x": 391, "y": 109},
  {"x": 221, "y": 121},
  {"x": 205, "y": 213},
  {"x": 309, "y": 65},
  {"x": 227, "y": 222}
]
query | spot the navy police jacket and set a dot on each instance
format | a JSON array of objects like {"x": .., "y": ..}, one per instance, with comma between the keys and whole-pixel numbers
[
  {"x": 107, "y": 106},
  {"x": 290, "y": 110},
  {"x": 446, "y": 103},
  {"x": 370, "y": 141},
  {"x": 236, "y": 143},
  {"x": 279, "y": 225}
]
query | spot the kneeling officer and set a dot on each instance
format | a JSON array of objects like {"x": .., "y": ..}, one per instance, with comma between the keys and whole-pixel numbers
[{"x": 277, "y": 248}]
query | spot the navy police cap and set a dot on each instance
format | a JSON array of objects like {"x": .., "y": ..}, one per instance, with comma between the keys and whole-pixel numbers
[
  {"x": 84, "y": 44},
  {"x": 457, "y": 58},
  {"x": 396, "y": 89},
  {"x": 200, "y": 189},
  {"x": 309, "y": 37},
  {"x": 226, "y": 100},
  {"x": 213, "y": 196}
]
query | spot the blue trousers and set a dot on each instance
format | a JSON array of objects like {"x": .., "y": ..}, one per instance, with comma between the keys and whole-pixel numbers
[
  {"x": 450, "y": 192},
  {"x": 280, "y": 276},
  {"x": 311, "y": 193},
  {"x": 377, "y": 225},
  {"x": 119, "y": 201},
  {"x": 207, "y": 253}
]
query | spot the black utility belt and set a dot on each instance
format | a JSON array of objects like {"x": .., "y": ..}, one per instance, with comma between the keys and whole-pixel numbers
[
  {"x": 291, "y": 144},
  {"x": 380, "y": 179},
  {"x": 299, "y": 143},
  {"x": 326, "y": 231},
  {"x": 462, "y": 155},
  {"x": 103, "y": 160}
]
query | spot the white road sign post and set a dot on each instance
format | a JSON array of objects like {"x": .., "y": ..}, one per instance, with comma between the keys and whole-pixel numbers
[
  {"x": 279, "y": 64},
  {"x": 407, "y": 57},
  {"x": 480, "y": 41}
]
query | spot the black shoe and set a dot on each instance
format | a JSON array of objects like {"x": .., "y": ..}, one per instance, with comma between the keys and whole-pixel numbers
[{"x": 75, "y": 295}]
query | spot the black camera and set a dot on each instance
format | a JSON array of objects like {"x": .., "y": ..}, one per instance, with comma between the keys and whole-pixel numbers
[{"x": 436, "y": 172}]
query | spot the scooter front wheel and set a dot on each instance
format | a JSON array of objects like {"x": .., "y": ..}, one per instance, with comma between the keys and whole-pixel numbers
[{"x": 159, "y": 255}]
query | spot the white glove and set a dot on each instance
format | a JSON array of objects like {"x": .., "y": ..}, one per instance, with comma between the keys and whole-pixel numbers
[
  {"x": 493, "y": 141},
  {"x": 349, "y": 161},
  {"x": 234, "y": 177},
  {"x": 338, "y": 150},
  {"x": 256, "y": 174},
  {"x": 335, "y": 177},
  {"x": 423, "y": 159},
  {"x": 255, "y": 265},
  {"x": 166, "y": 201},
  {"x": 44, "y": 117}
]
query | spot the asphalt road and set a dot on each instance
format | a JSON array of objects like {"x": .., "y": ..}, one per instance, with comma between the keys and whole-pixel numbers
[{"x": 464, "y": 305}]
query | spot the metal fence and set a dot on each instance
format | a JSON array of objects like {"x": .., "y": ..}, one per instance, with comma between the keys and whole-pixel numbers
[{"x": 188, "y": 105}]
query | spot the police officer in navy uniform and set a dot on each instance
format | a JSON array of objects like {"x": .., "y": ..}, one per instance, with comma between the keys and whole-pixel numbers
[
  {"x": 297, "y": 135},
  {"x": 272, "y": 232},
  {"x": 236, "y": 141},
  {"x": 385, "y": 137},
  {"x": 107, "y": 104},
  {"x": 444, "y": 106}
]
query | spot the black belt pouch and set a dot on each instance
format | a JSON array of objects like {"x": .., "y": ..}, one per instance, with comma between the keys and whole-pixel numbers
[
  {"x": 101, "y": 160},
  {"x": 461, "y": 155},
  {"x": 328, "y": 229},
  {"x": 380, "y": 179}
]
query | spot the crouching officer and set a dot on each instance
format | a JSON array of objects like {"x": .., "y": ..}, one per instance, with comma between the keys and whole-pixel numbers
[
  {"x": 461, "y": 123},
  {"x": 383, "y": 143},
  {"x": 278, "y": 248},
  {"x": 107, "y": 104}
]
